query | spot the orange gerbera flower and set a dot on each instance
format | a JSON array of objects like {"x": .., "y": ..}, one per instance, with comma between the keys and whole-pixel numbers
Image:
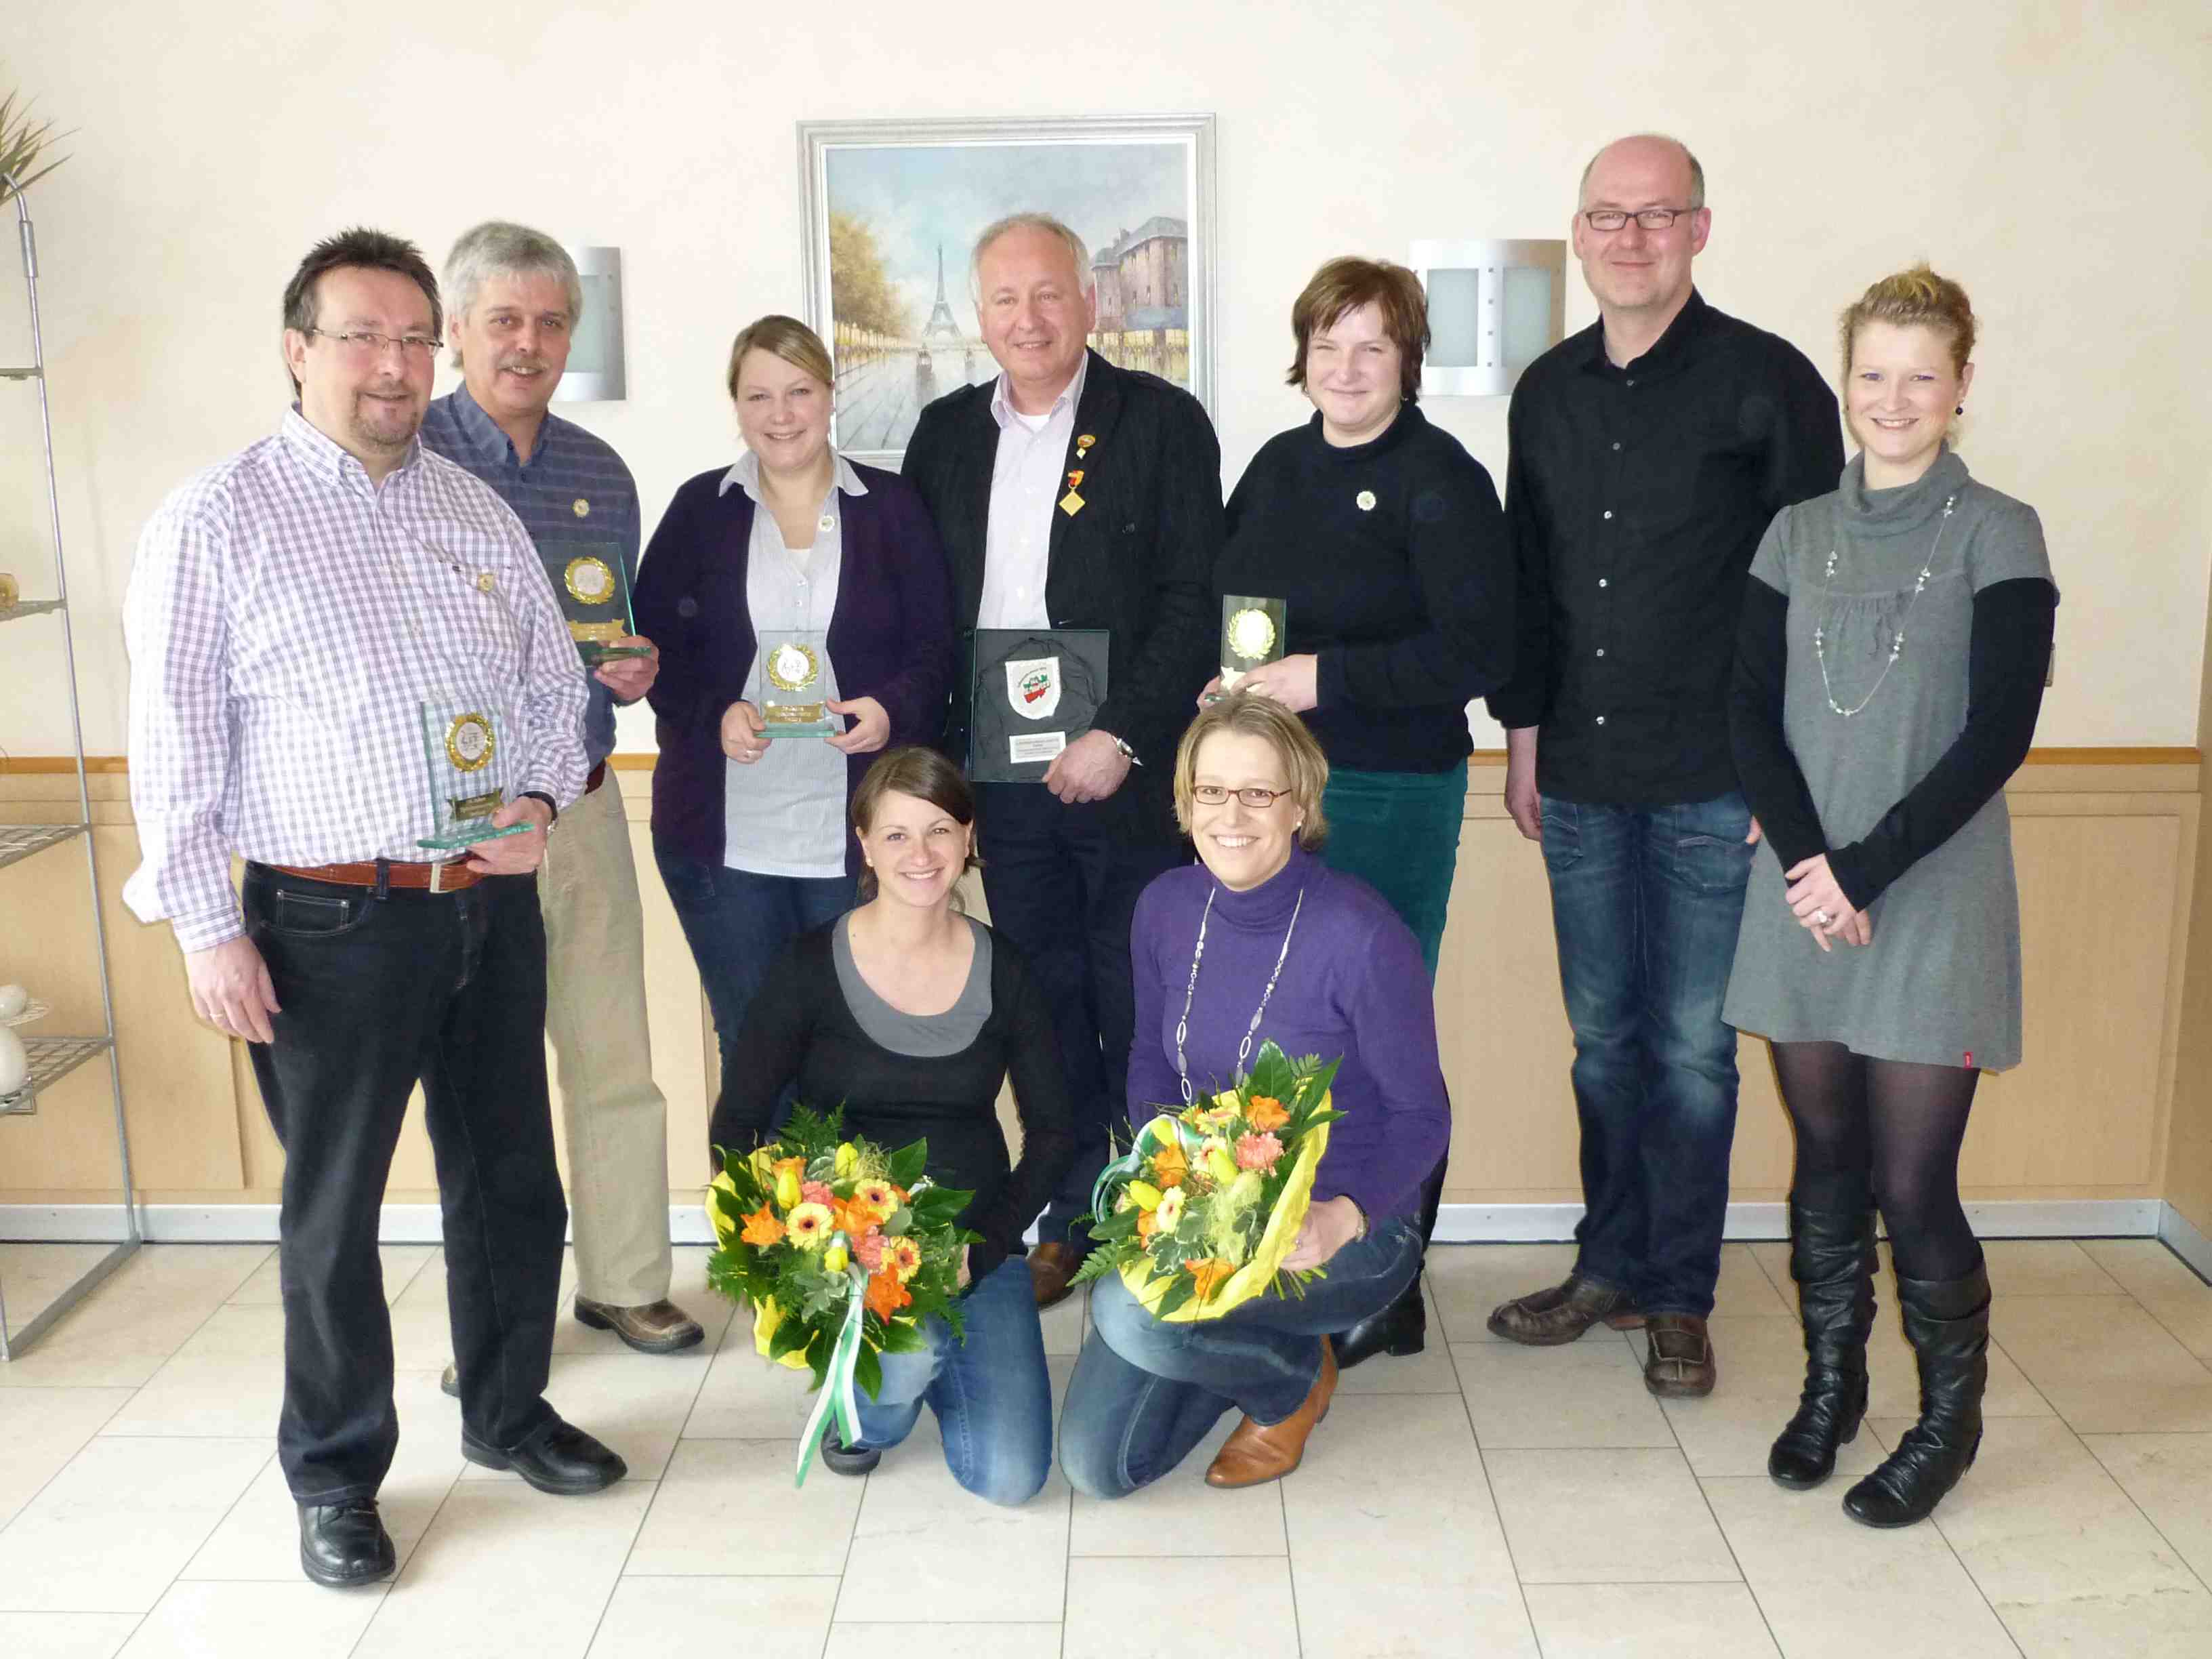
[
  {"x": 885, "y": 1295},
  {"x": 1209, "y": 1274},
  {"x": 1169, "y": 1166},
  {"x": 904, "y": 1257},
  {"x": 1267, "y": 1114},
  {"x": 763, "y": 1228},
  {"x": 878, "y": 1195}
]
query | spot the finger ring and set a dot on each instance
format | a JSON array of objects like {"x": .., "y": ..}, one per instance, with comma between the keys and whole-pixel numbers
[{"x": 1822, "y": 917}]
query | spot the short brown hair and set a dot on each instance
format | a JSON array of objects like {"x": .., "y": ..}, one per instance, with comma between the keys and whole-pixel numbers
[
  {"x": 1347, "y": 284},
  {"x": 785, "y": 338},
  {"x": 1918, "y": 298},
  {"x": 922, "y": 773},
  {"x": 1253, "y": 714}
]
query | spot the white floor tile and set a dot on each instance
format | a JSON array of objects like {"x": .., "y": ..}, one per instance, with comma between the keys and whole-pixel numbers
[
  {"x": 1466, "y": 1281},
  {"x": 109, "y": 1533},
  {"x": 743, "y": 1397},
  {"x": 2105, "y": 1365},
  {"x": 711, "y": 1517},
  {"x": 229, "y": 1379},
  {"x": 914, "y": 1640},
  {"x": 2044, "y": 1266},
  {"x": 1585, "y": 1394},
  {"x": 1649, "y": 1622},
  {"x": 1598, "y": 1517},
  {"x": 1179, "y": 1609},
  {"x": 660, "y": 1618},
  {"x": 2170, "y": 1478},
  {"x": 65, "y": 1635},
  {"x": 2163, "y": 1284},
  {"x": 42, "y": 1429},
  {"x": 299, "y": 1620},
  {"x": 120, "y": 1335}
]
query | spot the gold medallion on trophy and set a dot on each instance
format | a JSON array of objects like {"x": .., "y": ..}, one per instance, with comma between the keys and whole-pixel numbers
[
  {"x": 589, "y": 580},
  {"x": 792, "y": 666},
  {"x": 469, "y": 743},
  {"x": 1251, "y": 633}
]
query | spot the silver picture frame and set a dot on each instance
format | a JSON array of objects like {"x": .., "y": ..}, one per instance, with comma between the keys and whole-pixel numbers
[{"x": 906, "y": 200}]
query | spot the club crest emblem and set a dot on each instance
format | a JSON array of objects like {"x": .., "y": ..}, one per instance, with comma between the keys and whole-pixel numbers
[{"x": 1033, "y": 686}]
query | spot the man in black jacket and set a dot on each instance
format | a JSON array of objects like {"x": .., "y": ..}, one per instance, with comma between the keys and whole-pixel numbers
[{"x": 1072, "y": 493}]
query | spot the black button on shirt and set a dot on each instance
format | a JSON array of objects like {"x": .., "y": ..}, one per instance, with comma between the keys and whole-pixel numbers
[{"x": 1636, "y": 501}]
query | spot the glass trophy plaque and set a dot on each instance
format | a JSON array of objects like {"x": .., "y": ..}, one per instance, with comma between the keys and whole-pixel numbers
[
  {"x": 593, "y": 585},
  {"x": 1031, "y": 693},
  {"x": 469, "y": 757},
  {"x": 794, "y": 684},
  {"x": 1251, "y": 635}
]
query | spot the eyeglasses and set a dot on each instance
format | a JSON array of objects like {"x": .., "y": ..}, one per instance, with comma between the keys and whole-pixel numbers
[
  {"x": 367, "y": 342},
  {"x": 1611, "y": 219},
  {"x": 1212, "y": 795}
]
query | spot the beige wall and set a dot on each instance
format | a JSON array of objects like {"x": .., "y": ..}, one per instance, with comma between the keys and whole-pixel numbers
[
  {"x": 2054, "y": 156},
  {"x": 2107, "y": 853}
]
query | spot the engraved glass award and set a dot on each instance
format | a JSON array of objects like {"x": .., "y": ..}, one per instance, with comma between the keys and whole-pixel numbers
[
  {"x": 794, "y": 684},
  {"x": 469, "y": 759},
  {"x": 1251, "y": 635},
  {"x": 593, "y": 585}
]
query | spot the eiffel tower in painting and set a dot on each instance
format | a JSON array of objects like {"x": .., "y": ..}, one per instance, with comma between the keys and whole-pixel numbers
[{"x": 941, "y": 329}]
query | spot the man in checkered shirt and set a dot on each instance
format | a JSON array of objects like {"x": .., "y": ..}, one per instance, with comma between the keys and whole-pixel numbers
[{"x": 291, "y": 611}]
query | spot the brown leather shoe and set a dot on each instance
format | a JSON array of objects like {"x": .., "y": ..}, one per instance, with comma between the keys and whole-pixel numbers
[
  {"x": 1258, "y": 1452},
  {"x": 654, "y": 1327},
  {"x": 1679, "y": 1364},
  {"x": 1051, "y": 1266},
  {"x": 1544, "y": 1319}
]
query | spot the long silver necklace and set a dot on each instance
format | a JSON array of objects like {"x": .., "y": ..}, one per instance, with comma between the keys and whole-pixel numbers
[
  {"x": 1183, "y": 1024},
  {"x": 1897, "y": 640}
]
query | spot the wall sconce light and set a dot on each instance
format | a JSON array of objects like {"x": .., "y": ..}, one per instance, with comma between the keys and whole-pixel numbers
[
  {"x": 1494, "y": 308},
  {"x": 595, "y": 354}
]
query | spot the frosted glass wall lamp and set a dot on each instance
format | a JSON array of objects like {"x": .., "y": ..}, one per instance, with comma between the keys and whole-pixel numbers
[
  {"x": 595, "y": 354},
  {"x": 1494, "y": 308}
]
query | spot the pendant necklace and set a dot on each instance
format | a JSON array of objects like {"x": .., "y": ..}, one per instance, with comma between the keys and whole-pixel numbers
[
  {"x": 1183, "y": 1024},
  {"x": 1897, "y": 641}
]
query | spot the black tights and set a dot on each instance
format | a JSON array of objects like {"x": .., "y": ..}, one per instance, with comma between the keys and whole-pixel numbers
[{"x": 1885, "y": 1132}]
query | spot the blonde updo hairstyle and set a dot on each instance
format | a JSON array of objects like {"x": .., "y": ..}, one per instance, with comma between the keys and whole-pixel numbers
[
  {"x": 1918, "y": 298},
  {"x": 1251, "y": 714}
]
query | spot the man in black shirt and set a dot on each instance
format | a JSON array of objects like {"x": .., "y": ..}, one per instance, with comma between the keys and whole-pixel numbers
[{"x": 1648, "y": 454}]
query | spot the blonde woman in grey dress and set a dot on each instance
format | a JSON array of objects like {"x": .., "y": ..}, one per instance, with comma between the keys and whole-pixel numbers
[{"x": 1889, "y": 671}]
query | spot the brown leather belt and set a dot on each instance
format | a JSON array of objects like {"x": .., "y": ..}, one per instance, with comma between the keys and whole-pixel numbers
[
  {"x": 598, "y": 777},
  {"x": 417, "y": 877}
]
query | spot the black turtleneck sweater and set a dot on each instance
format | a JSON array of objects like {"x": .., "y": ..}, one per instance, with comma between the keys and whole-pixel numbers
[{"x": 1393, "y": 561}]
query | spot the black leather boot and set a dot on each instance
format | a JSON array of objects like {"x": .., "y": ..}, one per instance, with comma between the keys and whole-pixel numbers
[
  {"x": 1832, "y": 1258},
  {"x": 1402, "y": 1327},
  {"x": 1947, "y": 1323}
]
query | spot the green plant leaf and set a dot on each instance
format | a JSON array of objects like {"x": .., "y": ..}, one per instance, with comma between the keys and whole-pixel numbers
[
  {"x": 907, "y": 1163},
  {"x": 868, "y": 1372}
]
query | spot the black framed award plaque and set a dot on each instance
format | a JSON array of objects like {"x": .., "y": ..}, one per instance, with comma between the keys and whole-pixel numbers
[{"x": 1033, "y": 691}]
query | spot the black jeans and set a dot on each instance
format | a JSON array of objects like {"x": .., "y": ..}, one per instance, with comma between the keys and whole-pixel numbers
[
  {"x": 378, "y": 991},
  {"x": 1063, "y": 881}
]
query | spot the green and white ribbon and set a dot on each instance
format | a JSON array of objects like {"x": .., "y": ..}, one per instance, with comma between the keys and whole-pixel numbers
[
  {"x": 836, "y": 1390},
  {"x": 1126, "y": 1167}
]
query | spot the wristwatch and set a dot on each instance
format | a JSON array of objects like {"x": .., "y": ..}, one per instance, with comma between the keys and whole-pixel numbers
[{"x": 1128, "y": 753}]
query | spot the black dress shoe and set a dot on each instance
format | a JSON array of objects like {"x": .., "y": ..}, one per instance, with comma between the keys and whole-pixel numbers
[
  {"x": 345, "y": 1543},
  {"x": 1401, "y": 1329},
  {"x": 557, "y": 1458},
  {"x": 842, "y": 1459}
]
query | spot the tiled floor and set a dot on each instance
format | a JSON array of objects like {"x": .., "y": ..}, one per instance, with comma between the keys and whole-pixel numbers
[{"x": 1479, "y": 1500}]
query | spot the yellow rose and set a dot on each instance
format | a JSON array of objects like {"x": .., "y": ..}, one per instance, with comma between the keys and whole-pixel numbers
[
  {"x": 833, "y": 1259},
  {"x": 787, "y": 1188},
  {"x": 848, "y": 1158}
]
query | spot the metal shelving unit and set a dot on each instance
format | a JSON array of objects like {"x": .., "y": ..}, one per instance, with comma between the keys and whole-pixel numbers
[{"x": 53, "y": 1057}]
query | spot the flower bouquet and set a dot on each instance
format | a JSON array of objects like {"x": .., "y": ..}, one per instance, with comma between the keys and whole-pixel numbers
[
  {"x": 843, "y": 1249},
  {"x": 1198, "y": 1214}
]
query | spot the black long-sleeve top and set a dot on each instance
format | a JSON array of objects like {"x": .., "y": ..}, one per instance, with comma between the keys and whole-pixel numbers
[
  {"x": 1397, "y": 573},
  {"x": 2009, "y": 650},
  {"x": 800, "y": 1030},
  {"x": 1636, "y": 497}
]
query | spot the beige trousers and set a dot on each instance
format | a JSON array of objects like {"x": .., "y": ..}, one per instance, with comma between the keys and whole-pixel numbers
[{"x": 615, "y": 1117}]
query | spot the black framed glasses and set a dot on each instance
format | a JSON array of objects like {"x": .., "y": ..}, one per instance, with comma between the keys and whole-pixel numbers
[
  {"x": 368, "y": 343},
  {"x": 1214, "y": 794},
  {"x": 1612, "y": 219}
]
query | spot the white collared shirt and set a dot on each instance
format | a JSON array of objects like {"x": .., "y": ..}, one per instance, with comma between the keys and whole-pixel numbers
[
  {"x": 287, "y": 619},
  {"x": 1027, "y": 482},
  {"x": 784, "y": 815}
]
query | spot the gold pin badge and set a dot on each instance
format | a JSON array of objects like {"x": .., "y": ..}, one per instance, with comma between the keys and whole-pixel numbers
[
  {"x": 1365, "y": 499},
  {"x": 1083, "y": 443},
  {"x": 583, "y": 509},
  {"x": 483, "y": 582},
  {"x": 1071, "y": 503}
]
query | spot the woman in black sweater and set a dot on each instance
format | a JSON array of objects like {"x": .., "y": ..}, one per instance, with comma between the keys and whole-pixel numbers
[
  {"x": 909, "y": 1016},
  {"x": 1384, "y": 539}
]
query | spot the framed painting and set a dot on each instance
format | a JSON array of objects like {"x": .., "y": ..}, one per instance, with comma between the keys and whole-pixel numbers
[{"x": 893, "y": 209}]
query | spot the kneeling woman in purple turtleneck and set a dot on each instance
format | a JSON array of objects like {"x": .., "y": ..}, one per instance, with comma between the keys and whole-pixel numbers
[{"x": 1262, "y": 941}]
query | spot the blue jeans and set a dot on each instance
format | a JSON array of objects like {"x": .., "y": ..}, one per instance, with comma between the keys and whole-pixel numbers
[
  {"x": 1399, "y": 832},
  {"x": 991, "y": 1392},
  {"x": 1646, "y": 903},
  {"x": 1146, "y": 1391},
  {"x": 737, "y": 923}
]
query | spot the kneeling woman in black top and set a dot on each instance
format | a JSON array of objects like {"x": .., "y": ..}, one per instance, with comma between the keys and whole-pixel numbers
[{"x": 909, "y": 1016}]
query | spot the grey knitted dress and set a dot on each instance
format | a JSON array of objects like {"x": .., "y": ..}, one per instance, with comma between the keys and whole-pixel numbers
[{"x": 1940, "y": 983}]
